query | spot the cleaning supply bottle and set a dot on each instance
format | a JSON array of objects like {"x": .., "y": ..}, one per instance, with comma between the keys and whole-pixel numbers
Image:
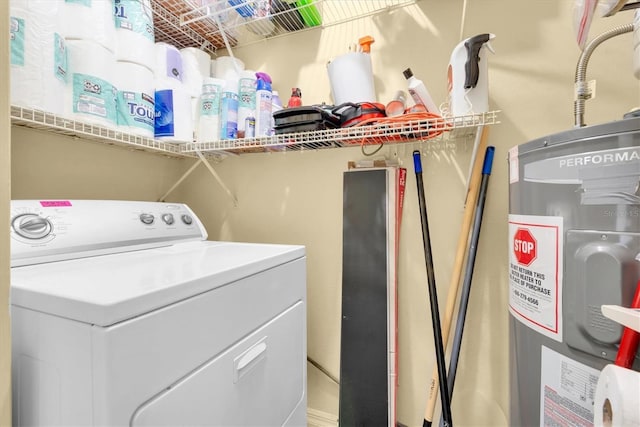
[
  {"x": 365, "y": 44},
  {"x": 263, "y": 104},
  {"x": 396, "y": 106},
  {"x": 467, "y": 76},
  {"x": 229, "y": 110},
  {"x": 246, "y": 99},
  {"x": 276, "y": 105},
  {"x": 419, "y": 92},
  {"x": 296, "y": 98}
]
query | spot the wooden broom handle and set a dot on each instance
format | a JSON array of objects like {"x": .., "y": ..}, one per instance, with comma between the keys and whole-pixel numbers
[{"x": 454, "y": 285}]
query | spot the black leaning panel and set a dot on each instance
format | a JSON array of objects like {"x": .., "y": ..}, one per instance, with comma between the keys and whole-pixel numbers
[{"x": 364, "y": 395}]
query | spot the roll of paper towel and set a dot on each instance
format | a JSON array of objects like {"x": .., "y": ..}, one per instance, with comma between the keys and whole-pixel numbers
[
  {"x": 212, "y": 70},
  {"x": 173, "y": 120},
  {"x": 89, "y": 20},
  {"x": 228, "y": 68},
  {"x": 168, "y": 63},
  {"x": 38, "y": 56},
  {"x": 135, "y": 32},
  {"x": 91, "y": 94},
  {"x": 136, "y": 99},
  {"x": 196, "y": 65},
  {"x": 209, "y": 120},
  {"x": 351, "y": 78},
  {"x": 617, "y": 400}
]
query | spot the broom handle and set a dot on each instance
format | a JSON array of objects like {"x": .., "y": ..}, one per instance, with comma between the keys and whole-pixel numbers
[{"x": 469, "y": 210}]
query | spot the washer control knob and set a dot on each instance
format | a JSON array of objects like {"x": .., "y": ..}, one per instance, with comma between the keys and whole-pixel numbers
[
  {"x": 31, "y": 226},
  {"x": 147, "y": 218},
  {"x": 187, "y": 219},
  {"x": 168, "y": 218}
]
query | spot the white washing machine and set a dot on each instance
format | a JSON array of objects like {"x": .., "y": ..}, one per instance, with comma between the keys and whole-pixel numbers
[{"x": 123, "y": 314}]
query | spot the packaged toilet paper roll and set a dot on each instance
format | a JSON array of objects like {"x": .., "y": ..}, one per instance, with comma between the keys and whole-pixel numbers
[
  {"x": 168, "y": 63},
  {"x": 136, "y": 99},
  {"x": 173, "y": 119},
  {"x": 38, "y": 56},
  {"x": 209, "y": 117},
  {"x": 228, "y": 68},
  {"x": 351, "y": 78},
  {"x": 135, "y": 37},
  {"x": 196, "y": 65},
  {"x": 617, "y": 399},
  {"x": 89, "y": 20},
  {"x": 91, "y": 94}
]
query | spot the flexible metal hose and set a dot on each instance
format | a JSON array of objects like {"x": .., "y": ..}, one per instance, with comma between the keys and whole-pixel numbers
[{"x": 582, "y": 91}]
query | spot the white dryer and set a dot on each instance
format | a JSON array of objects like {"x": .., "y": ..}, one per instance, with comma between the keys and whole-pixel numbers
[{"x": 124, "y": 314}]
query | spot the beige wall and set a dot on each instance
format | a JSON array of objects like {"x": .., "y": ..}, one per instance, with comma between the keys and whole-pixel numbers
[
  {"x": 297, "y": 197},
  {"x": 55, "y": 166},
  {"x": 5, "y": 196}
]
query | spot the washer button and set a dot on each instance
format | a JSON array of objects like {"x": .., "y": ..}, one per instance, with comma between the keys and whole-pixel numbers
[
  {"x": 187, "y": 219},
  {"x": 31, "y": 226},
  {"x": 147, "y": 218},
  {"x": 168, "y": 219}
]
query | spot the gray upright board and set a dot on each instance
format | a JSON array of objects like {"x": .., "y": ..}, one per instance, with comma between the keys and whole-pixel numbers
[{"x": 364, "y": 394}]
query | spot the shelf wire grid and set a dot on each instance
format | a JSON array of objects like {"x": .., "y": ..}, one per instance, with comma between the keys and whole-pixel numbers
[
  {"x": 37, "y": 119},
  {"x": 385, "y": 132},
  {"x": 280, "y": 19}
]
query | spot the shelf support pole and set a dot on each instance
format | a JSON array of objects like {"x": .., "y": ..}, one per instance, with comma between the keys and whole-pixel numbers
[
  {"x": 217, "y": 177},
  {"x": 182, "y": 178}
]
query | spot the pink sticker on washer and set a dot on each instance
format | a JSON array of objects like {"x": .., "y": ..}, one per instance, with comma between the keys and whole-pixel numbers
[{"x": 54, "y": 203}]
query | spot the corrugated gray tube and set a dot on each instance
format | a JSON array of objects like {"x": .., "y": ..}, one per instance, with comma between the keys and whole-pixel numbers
[{"x": 582, "y": 91}]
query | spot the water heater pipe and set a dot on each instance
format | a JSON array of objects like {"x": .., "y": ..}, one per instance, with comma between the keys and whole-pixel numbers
[{"x": 582, "y": 91}]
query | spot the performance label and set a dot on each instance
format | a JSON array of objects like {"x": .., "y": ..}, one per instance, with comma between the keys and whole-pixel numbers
[
  {"x": 535, "y": 272},
  {"x": 567, "y": 390}
]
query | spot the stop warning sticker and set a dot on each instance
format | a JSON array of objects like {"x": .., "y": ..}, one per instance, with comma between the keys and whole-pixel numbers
[{"x": 535, "y": 272}]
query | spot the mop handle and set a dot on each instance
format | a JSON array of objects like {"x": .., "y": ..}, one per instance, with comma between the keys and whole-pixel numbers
[
  {"x": 468, "y": 275},
  {"x": 433, "y": 295}
]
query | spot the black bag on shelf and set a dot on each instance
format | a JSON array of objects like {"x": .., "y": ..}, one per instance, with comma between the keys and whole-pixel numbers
[{"x": 304, "y": 119}]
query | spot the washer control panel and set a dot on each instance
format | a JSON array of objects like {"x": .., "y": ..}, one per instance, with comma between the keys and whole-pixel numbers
[{"x": 53, "y": 230}]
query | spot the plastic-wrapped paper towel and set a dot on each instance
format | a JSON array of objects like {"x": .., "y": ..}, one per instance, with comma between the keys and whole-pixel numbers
[
  {"x": 89, "y": 20},
  {"x": 39, "y": 67},
  {"x": 91, "y": 94},
  {"x": 173, "y": 118},
  {"x": 196, "y": 65},
  {"x": 617, "y": 397},
  {"x": 135, "y": 102},
  {"x": 168, "y": 63},
  {"x": 212, "y": 69},
  {"x": 135, "y": 37},
  {"x": 209, "y": 116},
  {"x": 228, "y": 68}
]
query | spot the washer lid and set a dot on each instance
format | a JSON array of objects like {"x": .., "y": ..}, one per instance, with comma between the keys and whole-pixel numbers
[{"x": 109, "y": 289}]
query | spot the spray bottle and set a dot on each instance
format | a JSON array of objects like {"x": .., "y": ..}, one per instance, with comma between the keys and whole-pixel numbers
[
  {"x": 467, "y": 76},
  {"x": 296, "y": 98}
]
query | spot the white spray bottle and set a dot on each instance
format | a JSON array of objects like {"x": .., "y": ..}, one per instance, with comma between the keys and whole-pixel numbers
[{"x": 467, "y": 76}]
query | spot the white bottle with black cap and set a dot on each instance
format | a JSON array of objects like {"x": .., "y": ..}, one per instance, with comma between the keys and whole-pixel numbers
[{"x": 419, "y": 92}]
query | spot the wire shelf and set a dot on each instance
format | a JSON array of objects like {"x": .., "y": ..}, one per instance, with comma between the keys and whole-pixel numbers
[
  {"x": 37, "y": 119},
  {"x": 247, "y": 21},
  {"x": 385, "y": 132},
  {"x": 203, "y": 34}
]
